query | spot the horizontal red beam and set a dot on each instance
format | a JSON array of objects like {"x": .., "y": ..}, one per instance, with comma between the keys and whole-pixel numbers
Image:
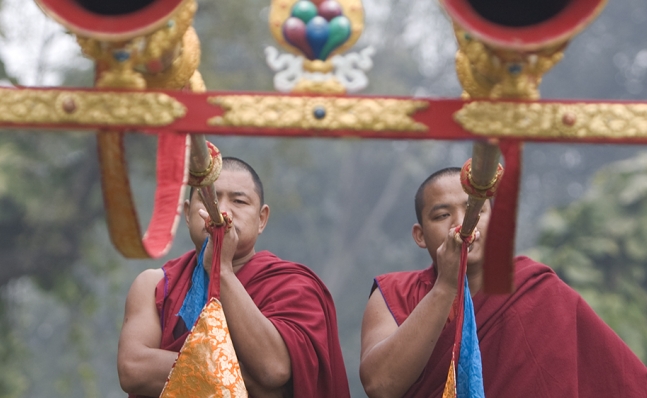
[{"x": 277, "y": 115}]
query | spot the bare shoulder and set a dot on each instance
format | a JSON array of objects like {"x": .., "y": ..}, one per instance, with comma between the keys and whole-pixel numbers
[
  {"x": 148, "y": 278},
  {"x": 376, "y": 302},
  {"x": 378, "y": 322},
  {"x": 143, "y": 287}
]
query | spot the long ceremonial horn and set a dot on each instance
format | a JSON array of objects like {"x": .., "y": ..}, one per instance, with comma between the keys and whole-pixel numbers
[
  {"x": 505, "y": 47},
  {"x": 139, "y": 44}
]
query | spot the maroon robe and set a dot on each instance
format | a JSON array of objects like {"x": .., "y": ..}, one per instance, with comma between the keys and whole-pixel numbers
[
  {"x": 292, "y": 297},
  {"x": 541, "y": 341}
]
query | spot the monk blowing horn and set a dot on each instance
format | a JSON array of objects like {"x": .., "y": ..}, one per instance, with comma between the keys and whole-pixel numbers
[
  {"x": 505, "y": 47},
  {"x": 144, "y": 44}
]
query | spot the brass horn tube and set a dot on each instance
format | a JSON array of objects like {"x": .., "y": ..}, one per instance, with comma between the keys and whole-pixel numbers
[
  {"x": 199, "y": 161},
  {"x": 485, "y": 161}
]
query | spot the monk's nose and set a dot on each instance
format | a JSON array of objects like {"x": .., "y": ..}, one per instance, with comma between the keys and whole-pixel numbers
[
  {"x": 224, "y": 206},
  {"x": 457, "y": 220}
]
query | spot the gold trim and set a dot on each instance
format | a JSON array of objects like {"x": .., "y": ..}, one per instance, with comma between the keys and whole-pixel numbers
[
  {"x": 82, "y": 107},
  {"x": 183, "y": 67},
  {"x": 379, "y": 114},
  {"x": 486, "y": 72},
  {"x": 537, "y": 120},
  {"x": 327, "y": 87}
]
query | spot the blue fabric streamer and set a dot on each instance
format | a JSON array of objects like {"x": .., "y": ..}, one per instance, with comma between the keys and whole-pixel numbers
[
  {"x": 196, "y": 297},
  {"x": 469, "y": 378}
]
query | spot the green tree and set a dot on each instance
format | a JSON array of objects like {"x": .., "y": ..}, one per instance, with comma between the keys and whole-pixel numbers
[{"x": 598, "y": 246}]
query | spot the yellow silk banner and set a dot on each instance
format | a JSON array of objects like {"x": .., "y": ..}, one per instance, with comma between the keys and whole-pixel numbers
[
  {"x": 450, "y": 385},
  {"x": 207, "y": 365}
]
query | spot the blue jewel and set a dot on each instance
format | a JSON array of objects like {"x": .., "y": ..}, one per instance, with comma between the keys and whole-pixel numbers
[
  {"x": 319, "y": 112},
  {"x": 515, "y": 69},
  {"x": 121, "y": 55}
]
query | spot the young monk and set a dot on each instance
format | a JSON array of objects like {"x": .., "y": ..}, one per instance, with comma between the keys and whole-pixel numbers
[
  {"x": 280, "y": 315},
  {"x": 541, "y": 341}
]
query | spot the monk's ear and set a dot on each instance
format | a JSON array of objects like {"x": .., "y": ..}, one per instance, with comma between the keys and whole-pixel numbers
[
  {"x": 418, "y": 236},
  {"x": 264, "y": 216},
  {"x": 187, "y": 206}
]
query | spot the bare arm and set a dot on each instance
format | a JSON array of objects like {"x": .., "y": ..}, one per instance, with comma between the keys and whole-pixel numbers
[
  {"x": 392, "y": 357},
  {"x": 259, "y": 346},
  {"x": 142, "y": 366}
]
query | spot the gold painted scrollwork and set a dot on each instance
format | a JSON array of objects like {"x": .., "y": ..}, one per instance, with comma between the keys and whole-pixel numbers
[
  {"x": 486, "y": 72},
  {"x": 113, "y": 109},
  {"x": 324, "y": 113},
  {"x": 537, "y": 120},
  {"x": 165, "y": 58}
]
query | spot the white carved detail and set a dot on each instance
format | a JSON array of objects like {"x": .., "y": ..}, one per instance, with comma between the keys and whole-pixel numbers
[
  {"x": 289, "y": 69},
  {"x": 349, "y": 69}
]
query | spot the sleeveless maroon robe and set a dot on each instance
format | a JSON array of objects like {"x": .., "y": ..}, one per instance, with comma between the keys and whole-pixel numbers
[
  {"x": 292, "y": 297},
  {"x": 541, "y": 341}
]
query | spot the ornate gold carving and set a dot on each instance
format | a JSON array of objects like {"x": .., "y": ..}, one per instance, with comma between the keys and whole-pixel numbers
[
  {"x": 318, "y": 66},
  {"x": 182, "y": 68},
  {"x": 165, "y": 39},
  {"x": 196, "y": 83},
  {"x": 485, "y": 72},
  {"x": 326, "y": 87},
  {"x": 326, "y": 113},
  {"x": 166, "y": 57},
  {"x": 537, "y": 120},
  {"x": 56, "y": 106},
  {"x": 280, "y": 10}
]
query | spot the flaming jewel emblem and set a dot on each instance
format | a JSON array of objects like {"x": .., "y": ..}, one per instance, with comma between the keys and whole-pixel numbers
[{"x": 316, "y": 32}]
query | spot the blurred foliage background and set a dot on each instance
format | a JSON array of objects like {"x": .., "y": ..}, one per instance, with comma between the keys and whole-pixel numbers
[{"x": 342, "y": 207}]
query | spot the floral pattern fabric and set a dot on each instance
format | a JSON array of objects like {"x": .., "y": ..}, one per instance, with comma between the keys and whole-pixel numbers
[{"x": 207, "y": 365}]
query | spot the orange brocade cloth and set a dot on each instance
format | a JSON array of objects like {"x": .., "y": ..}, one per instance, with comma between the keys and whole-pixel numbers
[
  {"x": 542, "y": 341},
  {"x": 292, "y": 297}
]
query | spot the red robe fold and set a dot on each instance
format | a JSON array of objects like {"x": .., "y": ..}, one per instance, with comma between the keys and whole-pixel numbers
[
  {"x": 541, "y": 341},
  {"x": 293, "y": 298}
]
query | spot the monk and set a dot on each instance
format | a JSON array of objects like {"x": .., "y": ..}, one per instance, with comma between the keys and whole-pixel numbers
[
  {"x": 543, "y": 340},
  {"x": 280, "y": 315}
]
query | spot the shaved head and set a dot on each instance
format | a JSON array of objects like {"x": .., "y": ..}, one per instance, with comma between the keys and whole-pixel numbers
[
  {"x": 419, "y": 200},
  {"x": 235, "y": 164}
]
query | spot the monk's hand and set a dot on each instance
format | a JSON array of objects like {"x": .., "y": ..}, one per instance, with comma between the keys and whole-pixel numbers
[
  {"x": 475, "y": 249},
  {"x": 229, "y": 245},
  {"x": 448, "y": 257},
  {"x": 207, "y": 260}
]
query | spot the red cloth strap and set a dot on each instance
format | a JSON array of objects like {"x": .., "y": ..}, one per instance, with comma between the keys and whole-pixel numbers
[
  {"x": 466, "y": 239},
  {"x": 458, "y": 306},
  {"x": 498, "y": 266},
  {"x": 121, "y": 213},
  {"x": 217, "y": 234}
]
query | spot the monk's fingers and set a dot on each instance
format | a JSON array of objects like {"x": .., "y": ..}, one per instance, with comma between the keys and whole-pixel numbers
[
  {"x": 203, "y": 214},
  {"x": 477, "y": 235},
  {"x": 455, "y": 236},
  {"x": 229, "y": 221}
]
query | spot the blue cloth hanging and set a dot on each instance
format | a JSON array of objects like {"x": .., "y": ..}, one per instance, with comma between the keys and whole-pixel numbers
[
  {"x": 469, "y": 377},
  {"x": 196, "y": 297}
]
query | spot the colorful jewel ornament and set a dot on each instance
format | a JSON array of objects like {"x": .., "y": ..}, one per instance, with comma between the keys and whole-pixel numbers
[{"x": 316, "y": 32}]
